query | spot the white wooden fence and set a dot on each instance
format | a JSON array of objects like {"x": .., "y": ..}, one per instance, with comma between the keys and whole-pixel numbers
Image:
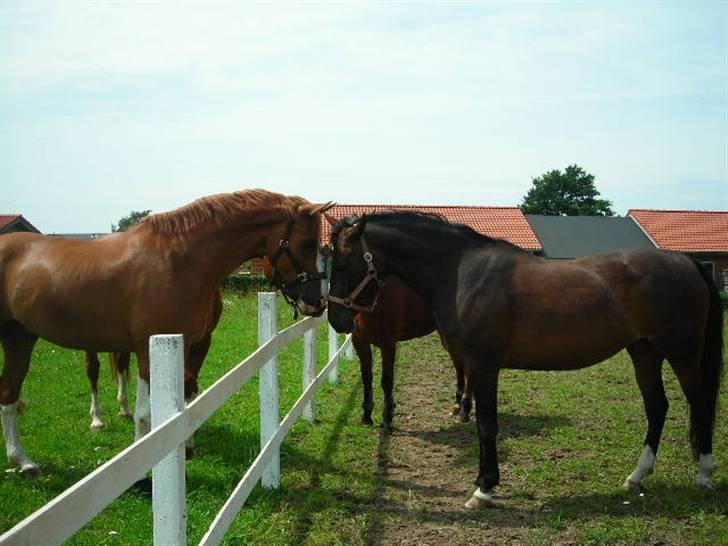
[{"x": 162, "y": 450}]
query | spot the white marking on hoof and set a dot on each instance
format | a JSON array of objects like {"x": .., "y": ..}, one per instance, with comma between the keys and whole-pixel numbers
[
  {"x": 706, "y": 467},
  {"x": 122, "y": 397},
  {"x": 143, "y": 413},
  {"x": 95, "y": 412},
  {"x": 30, "y": 469},
  {"x": 13, "y": 449},
  {"x": 479, "y": 500},
  {"x": 645, "y": 467}
]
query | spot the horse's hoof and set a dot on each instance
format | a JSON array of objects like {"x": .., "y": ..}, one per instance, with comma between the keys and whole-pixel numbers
[
  {"x": 455, "y": 411},
  {"x": 125, "y": 414},
  {"x": 629, "y": 485},
  {"x": 366, "y": 420},
  {"x": 143, "y": 486},
  {"x": 387, "y": 428},
  {"x": 479, "y": 500},
  {"x": 97, "y": 426},
  {"x": 464, "y": 418},
  {"x": 704, "y": 482},
  {"x": 189, "y": 453},
  {"x": 30, "y": 470}
]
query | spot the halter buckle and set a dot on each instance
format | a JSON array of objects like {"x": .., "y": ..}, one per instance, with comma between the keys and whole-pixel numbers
[{"x": 368, "y": 257}]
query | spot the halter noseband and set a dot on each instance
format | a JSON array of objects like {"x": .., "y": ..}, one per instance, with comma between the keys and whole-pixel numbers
[
  {"x": 371, "y": 276},
  {"x": 284, "y": 247}
]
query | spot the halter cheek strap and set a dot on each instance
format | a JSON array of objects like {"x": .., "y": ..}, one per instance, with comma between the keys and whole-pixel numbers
[
  {"x": 371, "y": 276},
  {"x": 284, "y": 247}
]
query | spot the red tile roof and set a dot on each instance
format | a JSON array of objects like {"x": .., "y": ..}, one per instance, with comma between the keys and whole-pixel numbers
[
  {"x": 501, "y": 222},
  {"x": 7, "y": 219},
  {"x": 685, "y": 230}
]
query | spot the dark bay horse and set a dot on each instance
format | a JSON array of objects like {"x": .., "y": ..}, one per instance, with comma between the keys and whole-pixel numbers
[
  {"x": 161, "y": 276},
  {"x": 500, "y": 307},
  {"x": 400, "y": 314}
]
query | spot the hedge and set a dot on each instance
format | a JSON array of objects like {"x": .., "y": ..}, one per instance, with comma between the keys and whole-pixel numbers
[{"x": 248, "y": 283}]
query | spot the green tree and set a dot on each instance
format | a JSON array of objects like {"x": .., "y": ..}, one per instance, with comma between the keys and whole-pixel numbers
[
  {"x": 568, "y": 193},
  {"x": 132, "y": 219}
]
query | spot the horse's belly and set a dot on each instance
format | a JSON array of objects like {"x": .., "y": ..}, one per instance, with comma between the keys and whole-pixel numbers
[{"x": 566, "y": 350}]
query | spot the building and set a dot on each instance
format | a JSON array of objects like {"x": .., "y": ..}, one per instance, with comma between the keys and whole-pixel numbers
[
  {"x": 10, "y": 223},
  {"x": 565, "y": 237},
  {"x": 701, "y": 234},
  {"x": 507, "y": 223}
]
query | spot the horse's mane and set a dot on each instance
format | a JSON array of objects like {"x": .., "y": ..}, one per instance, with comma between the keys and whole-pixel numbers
[
  {"x": 417, "y": 220},
  {"x": 218, "y": 208}
]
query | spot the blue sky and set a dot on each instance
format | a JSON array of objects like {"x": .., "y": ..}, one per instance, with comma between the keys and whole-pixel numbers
[{"x": 111, "y": 107}]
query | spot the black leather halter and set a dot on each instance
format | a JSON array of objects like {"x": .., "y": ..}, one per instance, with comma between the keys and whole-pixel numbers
[
  {"x": 371, "y": 276},
  {"x": 302, "y": 277}
]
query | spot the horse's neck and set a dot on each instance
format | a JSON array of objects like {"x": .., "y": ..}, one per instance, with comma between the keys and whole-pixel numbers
[
  {"x": 217, "y": 249},
  {"x": 411, "y": 255}
]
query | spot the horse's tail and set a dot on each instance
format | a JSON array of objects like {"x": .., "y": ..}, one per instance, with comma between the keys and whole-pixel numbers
[{"x": 712, "y": 360}]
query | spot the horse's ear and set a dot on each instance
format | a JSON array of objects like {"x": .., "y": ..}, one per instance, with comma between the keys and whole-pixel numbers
[
  {"x": 312, "y": 209},
  {"x": 330, "y": 219},
  {"x": 357, "y": 227}
]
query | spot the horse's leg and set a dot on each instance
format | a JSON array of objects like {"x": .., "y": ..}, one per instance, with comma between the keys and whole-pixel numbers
[
  {"x": 484, "y": 383},
  {"x": 464, "y": 390},
  {"x": 701, "y": 416},
  {"x": 17, "y": 345},
  {"x": 364, "y": 352},
  {"x": 388, "y": 355},
  {"x": 143, "y": 411},
  {"x": 459, "y": 387},
  {"x": 121, "y": 368},
  {"x": 195, "y": 360},
  {"x": 648, "y": 370},
  {"x": 467, "y": 403},
  {"x": 92, "y": 371}
]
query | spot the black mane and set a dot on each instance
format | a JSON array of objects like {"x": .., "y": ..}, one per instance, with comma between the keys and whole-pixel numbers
[{"x": 416, "y": 219}]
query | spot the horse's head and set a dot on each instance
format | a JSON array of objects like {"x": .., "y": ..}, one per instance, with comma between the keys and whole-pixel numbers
[
  {"x": 292, "y": 258},
  {"x": 354, "y": 283}
]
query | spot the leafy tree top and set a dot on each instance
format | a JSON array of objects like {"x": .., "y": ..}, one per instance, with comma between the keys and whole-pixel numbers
[
  {"x": 568, "y": 193},
  {"x": 133, "y": 218}
]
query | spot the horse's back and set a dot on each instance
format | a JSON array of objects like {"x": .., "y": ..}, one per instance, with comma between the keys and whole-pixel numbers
[{"x": 567, "y": 314}]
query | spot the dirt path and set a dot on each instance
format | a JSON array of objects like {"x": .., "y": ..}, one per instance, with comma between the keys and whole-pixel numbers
[{"x": 428, "y": 465}]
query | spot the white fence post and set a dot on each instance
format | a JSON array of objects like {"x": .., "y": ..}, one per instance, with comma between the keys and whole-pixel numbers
[
  {"x": 269, "y": 393},
  {"x": 350, "y": 351},
  {"x": 309, "y": 371},
  {"x": 333, "y": 346},
  {"x": 166, "y": 365}
]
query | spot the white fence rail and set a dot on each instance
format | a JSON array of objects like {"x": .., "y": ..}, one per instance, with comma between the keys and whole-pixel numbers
[{"x": 172, "y": 424}]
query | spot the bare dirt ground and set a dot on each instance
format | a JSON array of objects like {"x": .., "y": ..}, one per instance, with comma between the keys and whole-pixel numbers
[{"x": 428, "y": 465}]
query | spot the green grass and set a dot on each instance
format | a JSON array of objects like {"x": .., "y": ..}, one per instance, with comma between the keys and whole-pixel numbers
[
  {"x": 55, "y": 433},
  {"x": 567, "y": 440}
]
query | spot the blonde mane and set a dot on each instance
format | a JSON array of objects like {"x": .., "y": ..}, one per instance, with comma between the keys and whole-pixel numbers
[{"x": 218, "y": 208}]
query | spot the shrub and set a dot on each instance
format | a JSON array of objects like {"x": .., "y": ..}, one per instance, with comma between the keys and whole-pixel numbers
[
  {"x": 248, "y": 283},
  {"x": 724, "y": 299}
]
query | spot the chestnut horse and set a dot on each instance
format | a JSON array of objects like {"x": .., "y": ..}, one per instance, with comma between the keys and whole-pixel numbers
[
  {"x": 121, "y": 372},
  {"x": 161, "y": 276},
  {"x": 400, "y": 314},
  {"x": 498, "y": 307},
  {"x": 119, "y": 364}
]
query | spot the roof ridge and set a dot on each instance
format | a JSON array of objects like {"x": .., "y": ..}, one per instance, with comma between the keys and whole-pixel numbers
[
  {"x": 429, "y": 206},
  {"x": 680, "y": 210}
]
